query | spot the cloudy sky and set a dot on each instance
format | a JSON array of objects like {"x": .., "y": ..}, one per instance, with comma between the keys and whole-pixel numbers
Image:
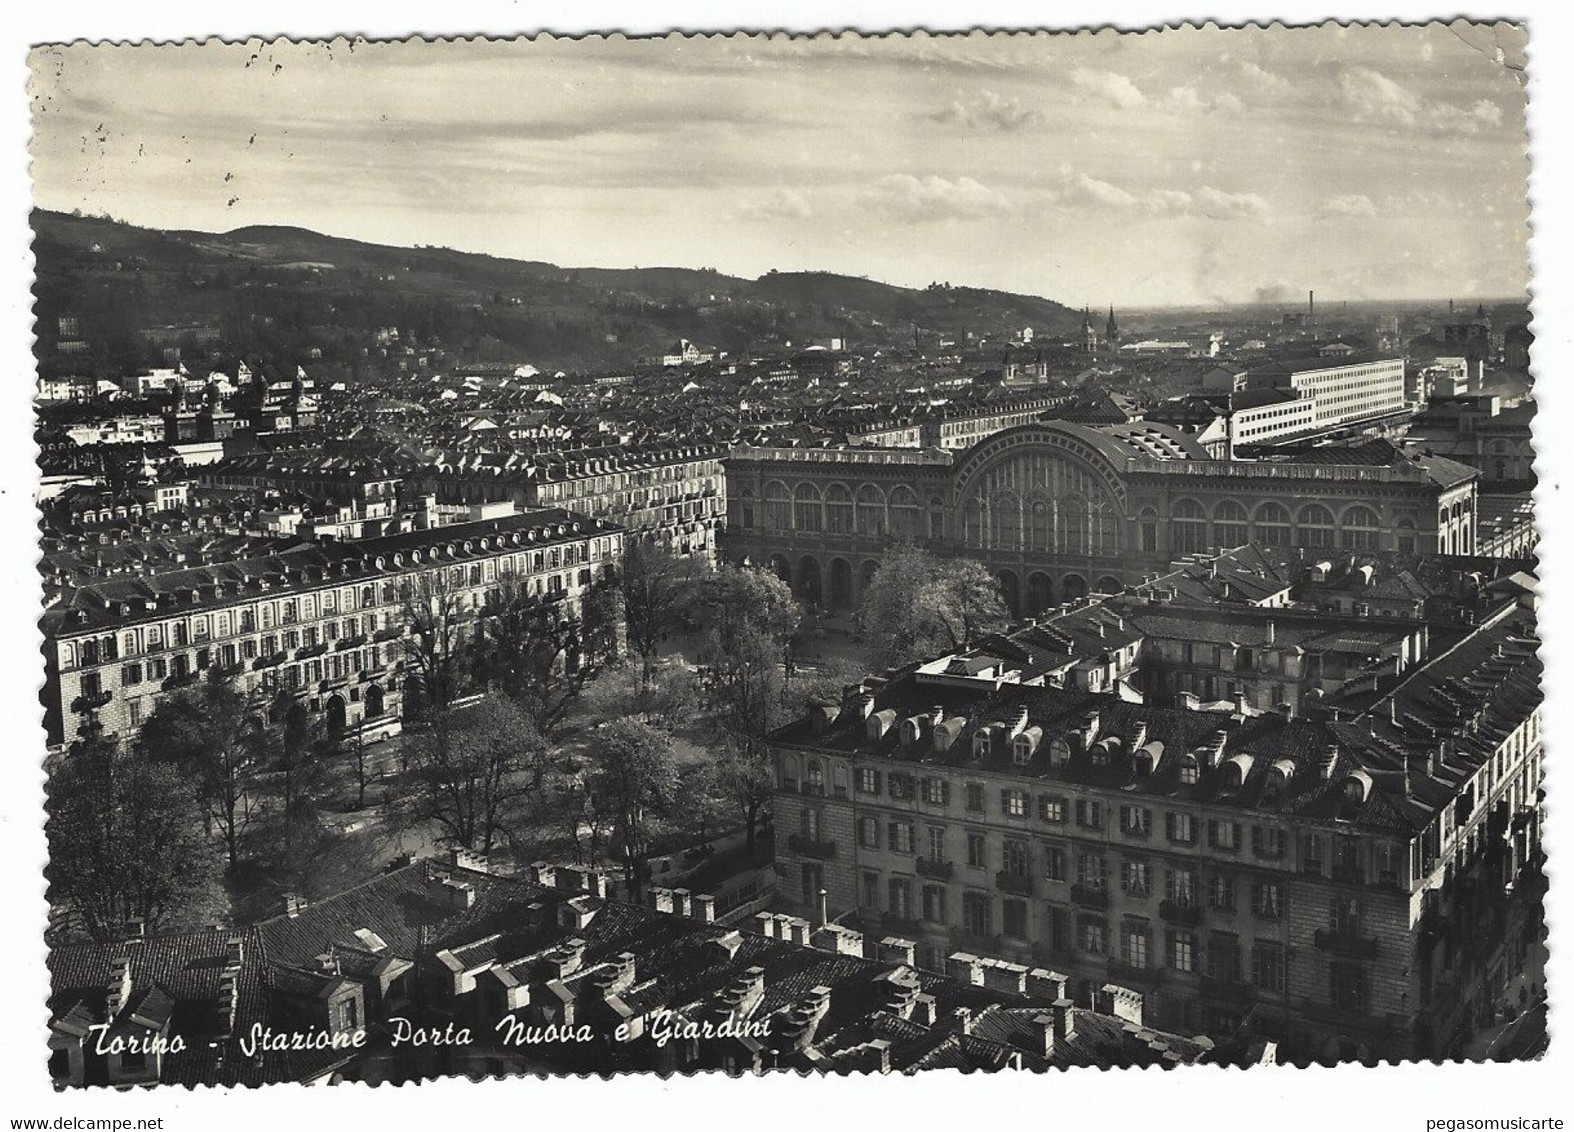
[{"x": 1188, "y": 166}]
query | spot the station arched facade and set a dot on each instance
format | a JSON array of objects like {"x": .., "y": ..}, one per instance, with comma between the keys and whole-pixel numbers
[{"x": 1058, "y": 510}]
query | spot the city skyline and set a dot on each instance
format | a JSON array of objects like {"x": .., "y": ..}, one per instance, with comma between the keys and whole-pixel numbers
[{"x": 1064, "y": 166}]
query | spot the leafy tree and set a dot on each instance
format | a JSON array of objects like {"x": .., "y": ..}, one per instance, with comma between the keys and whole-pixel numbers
[
  {"x": 635, "y": 779},
  {"x": 293, "y": 752},
  {"x": 918, "y": 606},
  {"x": 750, "y": 618},
  {"x": 666, "y": 697},
  {"x": 125, "y": 841},
  {"x": 473, "y": 771},
  {"x": 658, "y": 588},
  {"x": 539, "y": 650},
  {"x": 210, "y": 735}
]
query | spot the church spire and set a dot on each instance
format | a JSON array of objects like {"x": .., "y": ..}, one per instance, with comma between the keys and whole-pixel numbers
[{"x": 1112, "y": 332}]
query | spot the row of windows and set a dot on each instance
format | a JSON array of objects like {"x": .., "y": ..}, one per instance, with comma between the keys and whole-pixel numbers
[
  {"x": 1350, "y": 859},
  {"x": 287, "y": 611}
]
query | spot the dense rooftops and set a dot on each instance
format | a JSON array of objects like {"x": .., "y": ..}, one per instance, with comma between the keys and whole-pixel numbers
[
  {"x": 127, "y": 599},
  {"x": 1406, "y": 751}
]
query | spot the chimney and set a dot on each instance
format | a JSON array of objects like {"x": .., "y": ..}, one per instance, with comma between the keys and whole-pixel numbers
[
  {"x": 1049, "y": 985},
  {"x": 294, "y": 904},
  {"x": 728, "y": 944},
  {"x": 824, "y": 908},
  {"x": 1063, "y": 1013},
  {"x": 1044, "y": 1027},
  {"x": 1003, "y": 976},
  {"x": 680, "y": 902},
  {"x": 796, "y": 930},
  {"x": 766, "y": 922},
  {"x": 704, "y": 908},
  {"x": 838, "y": 940},
  {"x": 1272, "y": 633},
  {"x": 1121, "y": 1002},
  {"x": 661, "y": 899},
  {"x": 119, "y": 985},
  {"x": 893, "y": 949},
  {"x": 965, "y": 968},
  {"x": 234, "y": 951}
]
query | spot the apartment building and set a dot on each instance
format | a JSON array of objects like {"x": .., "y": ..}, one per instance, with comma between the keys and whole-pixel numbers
[
  {"x": 322, "y": 622},
  {"x": 1345, "y": 389},
  {"x": 1358, "y": 882}
]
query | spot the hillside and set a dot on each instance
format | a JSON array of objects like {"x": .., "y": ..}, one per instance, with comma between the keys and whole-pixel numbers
[{"x": 277, "y": 293}]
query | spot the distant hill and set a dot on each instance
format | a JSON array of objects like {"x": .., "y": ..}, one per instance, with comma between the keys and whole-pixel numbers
[{"x": 276, "y": 293}]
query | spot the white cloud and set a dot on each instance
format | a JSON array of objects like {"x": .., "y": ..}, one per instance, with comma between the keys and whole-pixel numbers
[
  {"x": 1113, "y": 88},
  {"x": 780, "y": 204},
  {"x": 1075, "y": 190},
  {"x": 1263, "y": 80},
  {"x": 931, "y": 198},
  {"x": 1186, "y": 98},
  {"x": 1374, "y": 97},
  {"x": 988, "y": 110},
  {"x": 1347, "y": 204},
  {"x": 1219, "y": 205}
]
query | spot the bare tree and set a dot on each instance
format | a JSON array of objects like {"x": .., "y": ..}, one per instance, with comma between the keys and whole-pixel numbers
[
  {"x": 474, "y": 770},
  {"x": 437, "y": 637},
  {"x": 540, "y": 648}
]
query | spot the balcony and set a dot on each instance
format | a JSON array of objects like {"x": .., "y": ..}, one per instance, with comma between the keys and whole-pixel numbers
[
  {"x": 1347, "y": 944},
  {"x": 307, "y": 651},
  {"x": 1085, "y": 897},
  {"x": 1126, "y": 975},
  {"x": 179, "y": 680},
  {"x": 901, "y": 926},
  {"x": 91, "y": 702},
  {"x": 1018, "y": 884},
  {"x": 1349, "y": 874},
  {"x": 810, "y": 847},
  {"x": 1172, "y": 913},
  {"x": 392, "y": 632},
  {"x": 272, "y": 660},
  {"x": 347, "y": 643},
  {"x": 935, "y": 870},
  {"x": 1231, "y": 991}
]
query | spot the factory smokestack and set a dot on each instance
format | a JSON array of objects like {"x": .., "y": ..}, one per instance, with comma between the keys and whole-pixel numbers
[{"x": 1311, "y": 304}]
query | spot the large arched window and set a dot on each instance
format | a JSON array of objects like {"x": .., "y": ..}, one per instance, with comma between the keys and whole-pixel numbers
[
  {"x": 1073, "y": 533},
  {"x": 974, "y": 517},
  {"x": 1190, "y": 525},
  {"x": 1315, "y": 525},
  {"x": 1229, "y": 524},
  {"x": 1008, "y": 521},
  {"x": 778, "y": 507},
  {"x": 838, "y": 509},
  {"x": 1273, "y": 525},
  {"x": 1148, "y": 525},
  {"x": 871, "y": 511},
  {"x": 1358, "y": 529},
  {"x": 904, "y": 512},
  {"x": 1038, "y": 517},
  {"x": 806, "y": 513}
]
